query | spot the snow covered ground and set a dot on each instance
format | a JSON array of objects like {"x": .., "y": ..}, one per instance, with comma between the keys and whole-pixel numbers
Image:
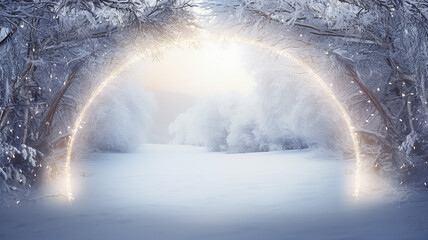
[{"x": 180, "y": 192}]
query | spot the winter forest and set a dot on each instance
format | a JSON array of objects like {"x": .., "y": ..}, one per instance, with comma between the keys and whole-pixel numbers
[{"x": 213, "y": 119}]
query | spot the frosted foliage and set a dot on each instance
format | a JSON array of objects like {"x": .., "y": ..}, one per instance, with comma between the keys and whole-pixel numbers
[
  {"x": 119, "y": 119},
  {"x": 29, "y": 154}
]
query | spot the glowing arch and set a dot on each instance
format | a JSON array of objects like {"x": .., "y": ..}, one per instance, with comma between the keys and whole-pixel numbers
[{"x": 236, "y": 39}]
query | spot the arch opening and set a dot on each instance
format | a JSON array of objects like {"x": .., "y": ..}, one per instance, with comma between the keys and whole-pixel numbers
[{"x": 316, "y": 78}]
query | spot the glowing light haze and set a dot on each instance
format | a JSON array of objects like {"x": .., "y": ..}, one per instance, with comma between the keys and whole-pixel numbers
[
  {"x": 208, "y": 70},
  {"x": 314, "y": 76}
]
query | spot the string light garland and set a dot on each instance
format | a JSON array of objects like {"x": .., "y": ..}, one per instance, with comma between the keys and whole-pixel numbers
[{"x": 210, "y": 37}]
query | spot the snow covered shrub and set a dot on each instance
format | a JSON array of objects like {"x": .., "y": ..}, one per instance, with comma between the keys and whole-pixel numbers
[
  {"x": 119, "y": 119},
  {"x": 231, "y": 124},
  {"x": 242, "y": 130},
  {"x": 295, "y": 113},
  {"x": 205, "y": 124}
]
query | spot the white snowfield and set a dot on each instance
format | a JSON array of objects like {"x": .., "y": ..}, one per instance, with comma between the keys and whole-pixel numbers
[{"x": 167, "y": 192}]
